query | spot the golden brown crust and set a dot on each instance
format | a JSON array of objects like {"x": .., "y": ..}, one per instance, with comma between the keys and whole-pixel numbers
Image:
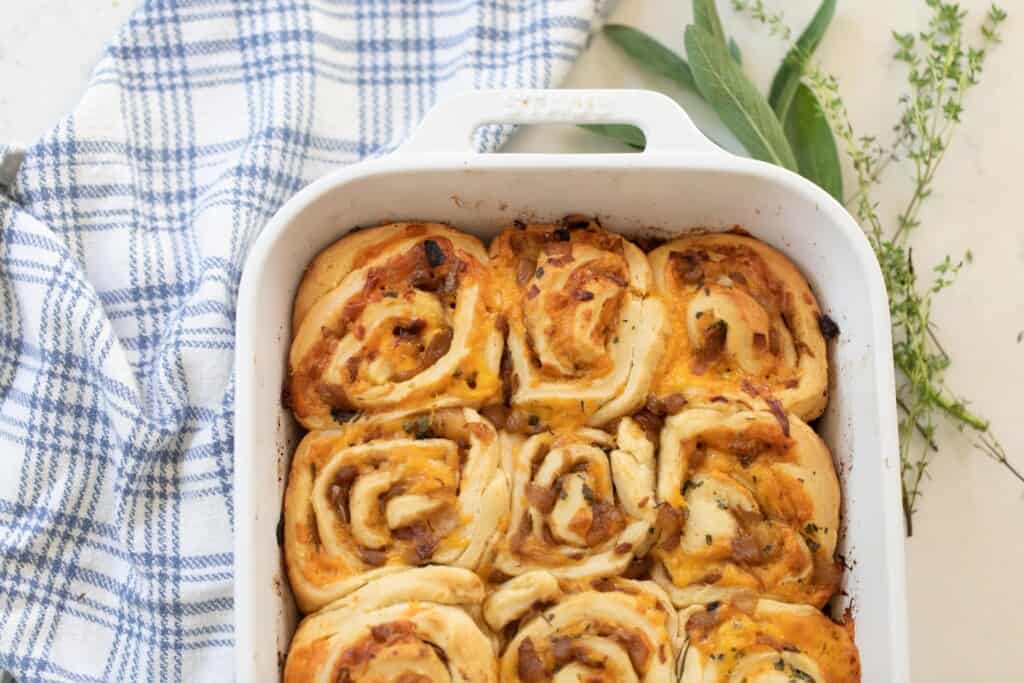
[
  {"x": 743, "y": 326},
  {"x": 599, "y": 630},
  {"x": 422, "y": 624},
  {"x": 582, "y": 502},
  {"x": 759, "y": 500},
  {"x": 696, "y": 361},
  {"x": 761, "y": 640},
  {"x": 390, "y": 492},
  {"x": 584, "y": 335},
  {"x": 395, "y": 317}
]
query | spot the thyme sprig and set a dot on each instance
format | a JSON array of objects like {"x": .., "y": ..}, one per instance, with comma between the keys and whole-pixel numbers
[
  {"x": 774, "y": 21},
  {"x": 803, "y": 121},
  {"x": 941, "y": 69}
]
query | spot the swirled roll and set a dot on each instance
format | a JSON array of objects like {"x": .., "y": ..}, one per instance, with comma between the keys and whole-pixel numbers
[
  {"x": 394, "y": 317},
  {"x": 416, "y": 626},
  {"x": 389, "y": 492},
  {"x": 747, "y": 504},
  {"x": 763, "y": 641},
  {"x": 743, "y": 326},
  {"x": 584, "y": 334},
  {"x": 610, "y": 629},
  {"x": 582, "y": 502}
]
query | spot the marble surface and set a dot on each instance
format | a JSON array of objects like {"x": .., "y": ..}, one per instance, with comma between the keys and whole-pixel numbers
[{"x": 966, "y": 558}]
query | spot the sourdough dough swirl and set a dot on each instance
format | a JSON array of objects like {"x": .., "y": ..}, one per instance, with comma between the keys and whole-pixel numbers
[
  {"x": 640, "y": 448},
  {"x": 398, "y": 316},
  {"x": 762, "y": 641},
  {"x": 584, "y": 334},
  {"x": 743, "y": 326},
  {"x": 420, "y": 626},
  {"x": 609, "y": 630},
  {"x": 747, "y": 504},
  {"x": 387, "y": 493},
  {"x": 582, "y": 501}
]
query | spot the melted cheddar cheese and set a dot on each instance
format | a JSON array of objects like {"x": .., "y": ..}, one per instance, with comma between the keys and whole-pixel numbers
[
  {"x": 583, "y": 333},
  {"x": 397, "y": 317},
  {"x": 743, "y": 326},
  {"x": 761, "y": 641},
  {"x": 390, "y": 492},
  {"x": 759, "y": 508}
]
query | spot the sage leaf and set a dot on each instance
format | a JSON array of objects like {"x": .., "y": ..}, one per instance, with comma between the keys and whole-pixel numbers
[
  {"x": 738, "y": 103},
  {"x": 811, "y": 138},
  {"x": 705, "y": 15},
  {"x": 651, "y": 54},
  {"x": 787, "y": 78},
  {"x": 631, "y": 135},
  {"x": 734, "y": 50}
]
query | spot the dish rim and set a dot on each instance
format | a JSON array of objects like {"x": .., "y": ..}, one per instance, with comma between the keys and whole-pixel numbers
[{"x": 427, "y": 152}]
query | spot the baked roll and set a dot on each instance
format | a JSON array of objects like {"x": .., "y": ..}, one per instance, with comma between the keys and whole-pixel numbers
[
  {"x": 609, "y": 629},
  {"x": 748, "y": 502},
  {"x": 394, "y": 317},
  {"x": 743, "y": 326},
  {"x": 418, "y": 625},
  {"x": 582, "y": 502},
  {"x": 584, "y": 334},
  {"x": 390, "y": 492},
  {"x": 762, "y": 641}
]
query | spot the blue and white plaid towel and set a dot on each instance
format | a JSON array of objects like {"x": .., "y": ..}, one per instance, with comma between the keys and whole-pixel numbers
[{"x": 122, "y": 238}]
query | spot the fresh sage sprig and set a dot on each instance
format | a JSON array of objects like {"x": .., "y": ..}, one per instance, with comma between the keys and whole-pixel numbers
[
  {"x": 654, "y": 56},
  {"x": 705, "y": 15},
  {"x": 804, "y": 104},
  {"x": 807, "y": 130},
  {"x": 941, "y": 69},
  {"x": 741, "y": 107},
  {"x": 810, "y": 135},
  {"x": 787, "y": 78},
  {"x": 713, "y": 69},
  {"x": 631, "y": 135}
]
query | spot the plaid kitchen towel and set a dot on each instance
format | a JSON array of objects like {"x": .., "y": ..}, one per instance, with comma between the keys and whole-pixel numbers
[{"x": 123, "y": 232}]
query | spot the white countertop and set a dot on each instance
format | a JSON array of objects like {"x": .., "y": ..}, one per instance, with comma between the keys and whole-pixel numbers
[{"x": 966, "y": 559}]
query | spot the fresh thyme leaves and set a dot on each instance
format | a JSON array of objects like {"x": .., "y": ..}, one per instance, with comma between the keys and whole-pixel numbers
[
  {"x": 775, "y": 21},
  {"x": 942, "y": 69},
  {"x": 804, "y": 124}
]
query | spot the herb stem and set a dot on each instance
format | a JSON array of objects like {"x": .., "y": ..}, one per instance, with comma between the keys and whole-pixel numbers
[
  {"x": 941, "y": 68},
  {"x": 993, "y": 449},
  {"x": 920, "y": 428},
  {"x": 908, "y": 515},
  {"x": 959, "y": 411},
  {"x": 935, "y": 340}
]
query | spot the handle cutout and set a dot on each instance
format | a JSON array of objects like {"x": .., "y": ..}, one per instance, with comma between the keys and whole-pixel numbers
[
  {"x": 471, "y": 117},
  {"x": 558, "y": 138}
]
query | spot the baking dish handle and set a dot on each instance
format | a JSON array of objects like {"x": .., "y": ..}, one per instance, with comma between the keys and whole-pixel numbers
[{"x": 449, "y": 125}]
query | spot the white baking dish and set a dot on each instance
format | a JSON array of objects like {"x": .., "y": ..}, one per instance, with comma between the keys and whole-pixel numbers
[{"x": 680, "y": 181}]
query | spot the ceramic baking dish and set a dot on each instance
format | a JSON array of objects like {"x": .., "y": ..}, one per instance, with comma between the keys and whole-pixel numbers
[{"x": 680, "y": 181}]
